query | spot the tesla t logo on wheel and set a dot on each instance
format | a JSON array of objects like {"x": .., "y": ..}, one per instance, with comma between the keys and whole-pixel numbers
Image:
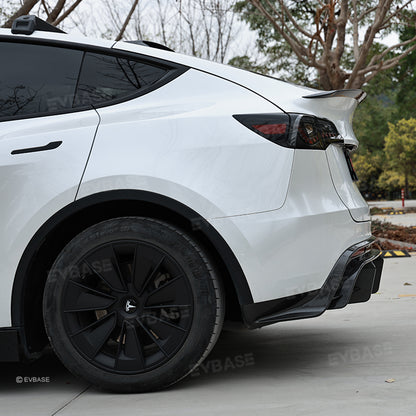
[{"x": 130, "y": 306}]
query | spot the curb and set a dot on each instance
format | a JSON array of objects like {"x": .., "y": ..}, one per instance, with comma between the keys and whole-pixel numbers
[{"x": 395, "y": 253}]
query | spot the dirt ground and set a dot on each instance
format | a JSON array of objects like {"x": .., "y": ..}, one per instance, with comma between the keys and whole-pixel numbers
[{"x": 384, "y": 229}]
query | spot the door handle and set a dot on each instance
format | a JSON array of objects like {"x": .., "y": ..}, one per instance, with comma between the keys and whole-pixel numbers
[{"x": 49, "y": 146}]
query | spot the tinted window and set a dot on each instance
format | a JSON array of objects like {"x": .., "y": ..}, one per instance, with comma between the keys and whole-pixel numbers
[
  {"x": 36, "y": 79},
  {"x": 105, "y": 78}
]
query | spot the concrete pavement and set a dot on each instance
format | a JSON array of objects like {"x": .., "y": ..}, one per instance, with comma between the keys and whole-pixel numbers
[
  {"x": 393, "y": 204},
  {"x": 407, "y": 220},
  {"x": 335, "y": 364}
]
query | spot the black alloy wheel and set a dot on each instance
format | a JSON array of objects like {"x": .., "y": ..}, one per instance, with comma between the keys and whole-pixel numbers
[{"x": 132, "y": 304}]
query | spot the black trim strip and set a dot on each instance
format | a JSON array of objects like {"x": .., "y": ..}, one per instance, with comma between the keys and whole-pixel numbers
[{"x": 49, "y": 146}]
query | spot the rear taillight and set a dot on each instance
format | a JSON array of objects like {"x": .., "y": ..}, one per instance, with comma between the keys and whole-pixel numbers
[
  {"x": 296, "y": 131},
  {"x": 273, "y": 127}
]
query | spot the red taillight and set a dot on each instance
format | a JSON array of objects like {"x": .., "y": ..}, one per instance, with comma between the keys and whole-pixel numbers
[
  {"x": 315, "y": 133},
  {"x": 271, "y": 128},
  {"x": 297, "y": 131},
  {"x": 307, "y": 133}
]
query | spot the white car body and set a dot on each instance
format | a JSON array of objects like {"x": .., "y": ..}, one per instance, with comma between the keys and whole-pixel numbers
[{"x": 287, "y": 215}]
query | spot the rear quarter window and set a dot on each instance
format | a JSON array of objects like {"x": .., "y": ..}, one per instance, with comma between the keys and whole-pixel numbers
[{"x": 105, "y": 78}]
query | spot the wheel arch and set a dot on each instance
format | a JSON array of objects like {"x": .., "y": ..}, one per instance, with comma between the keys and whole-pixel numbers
[{"x": 57, "y": 231}]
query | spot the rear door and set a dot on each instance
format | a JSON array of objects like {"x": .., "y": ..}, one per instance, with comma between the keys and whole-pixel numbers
[{"x": 44, "y": 145}]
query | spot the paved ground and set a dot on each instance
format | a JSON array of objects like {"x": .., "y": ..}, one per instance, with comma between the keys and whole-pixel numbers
[
  {"x": 335, "y": 364},
  {"x": 392, "y": 204},
  {"x": 407, "y": 220}
]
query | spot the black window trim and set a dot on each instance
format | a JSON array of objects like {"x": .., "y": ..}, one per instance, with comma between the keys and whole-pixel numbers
[{"x": 174, "y": 71}]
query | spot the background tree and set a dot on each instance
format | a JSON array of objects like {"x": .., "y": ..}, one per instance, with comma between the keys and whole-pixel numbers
[
  {"x": 204, "y": 28},
  {"x": 334, "y": 39},
  {"x": 391, "y": 97},
  {"x": 406, "y": 78},
  {"x": 55, "y": 13},
  {"x": 369, "y": 166},
  {"x": 400, "y": 153}
]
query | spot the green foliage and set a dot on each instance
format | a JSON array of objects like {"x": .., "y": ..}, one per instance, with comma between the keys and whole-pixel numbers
[
  {"x": 280, "y": 57},
  {"x": 406, "y": 74},
  {"x": 244, "y": 62},
  {"x": 313, "y": 42},
  {"x": 400, "y": 154},
  {"x": 368, "y": 166},
  {"x": 371, "y": 122}
]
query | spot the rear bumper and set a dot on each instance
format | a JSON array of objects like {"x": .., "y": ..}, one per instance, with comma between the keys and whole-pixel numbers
[{"x": 355, "y": 276}]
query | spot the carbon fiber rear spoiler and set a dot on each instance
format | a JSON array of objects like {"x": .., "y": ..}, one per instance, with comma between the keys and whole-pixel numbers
[{"x": 357, "y": 94}]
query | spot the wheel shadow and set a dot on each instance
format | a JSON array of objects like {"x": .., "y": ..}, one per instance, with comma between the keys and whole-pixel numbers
[
  {"x": 281, "y": 350},
  {"x": 287, "y": 350}
]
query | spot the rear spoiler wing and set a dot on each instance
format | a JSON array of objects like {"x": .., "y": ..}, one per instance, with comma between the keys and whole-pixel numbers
[
  {"x": 339, "y": 110},
  {"x": 357, "y": 94}
]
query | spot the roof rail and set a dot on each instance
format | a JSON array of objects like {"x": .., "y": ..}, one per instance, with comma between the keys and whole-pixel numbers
[
  {"x": 151, "y": 44},
  {"x": 26, "y": 25}
]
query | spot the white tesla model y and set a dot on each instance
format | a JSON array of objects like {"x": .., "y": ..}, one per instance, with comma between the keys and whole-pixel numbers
[{"x": 147, "y": 196}]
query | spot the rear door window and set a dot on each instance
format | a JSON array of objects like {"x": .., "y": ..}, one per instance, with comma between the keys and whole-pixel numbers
[{"x": 37, "y": 79}]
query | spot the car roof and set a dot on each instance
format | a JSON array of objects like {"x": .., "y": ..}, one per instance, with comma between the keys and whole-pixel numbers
[
  {"x": 187, "y": 60},
  {"x": 61, "y": 37},
  {"x": 274, "y": 90}
]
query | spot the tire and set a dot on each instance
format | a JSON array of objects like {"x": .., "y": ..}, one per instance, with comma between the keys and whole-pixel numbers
[{"x": 132, "y": 304}]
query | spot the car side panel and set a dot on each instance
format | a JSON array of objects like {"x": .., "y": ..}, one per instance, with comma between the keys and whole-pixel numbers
[
  {"x": 293, "y": 249},
  {"x": 181, "y": 141},
  {"x": 35, "y": 185}
]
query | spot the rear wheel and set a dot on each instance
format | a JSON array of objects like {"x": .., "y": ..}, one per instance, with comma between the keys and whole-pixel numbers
[{"x": 132, "y": 304}]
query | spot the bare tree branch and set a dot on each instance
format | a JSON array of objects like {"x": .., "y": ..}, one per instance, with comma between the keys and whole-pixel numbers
[
  {"x": 369, "y": 37},
  {"x": 54, "y": 13},
  {"x": 396, "y": 13},
  {"x": 341, "y": 25},
  {"x": 26, "y": 7},
  {"x": 291, "y": 18},
  {"x": 366, "y": 12},
  {"x": 296, "y": 45},
  {"x": 390, "y": 63},
  {"x": 379, "y": 57},
  {"x": 67, "y": 12},
  {"x": 45, "y": 7},
  {"x": 322, "y": 42},
  {"x": 128, "y": 18},
  {"x": 355, "y": 30}
]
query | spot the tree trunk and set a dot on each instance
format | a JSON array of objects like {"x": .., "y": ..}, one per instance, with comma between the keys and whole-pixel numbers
[
  {"x": 128, "y": 18},
  {"x": 332, "y": 77}
]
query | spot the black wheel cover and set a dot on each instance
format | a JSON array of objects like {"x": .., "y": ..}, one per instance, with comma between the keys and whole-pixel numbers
[{"x": 127, "y": 306}]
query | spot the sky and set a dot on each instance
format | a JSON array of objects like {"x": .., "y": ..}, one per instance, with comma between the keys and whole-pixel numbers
[{"x": 93, "y": 18}]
